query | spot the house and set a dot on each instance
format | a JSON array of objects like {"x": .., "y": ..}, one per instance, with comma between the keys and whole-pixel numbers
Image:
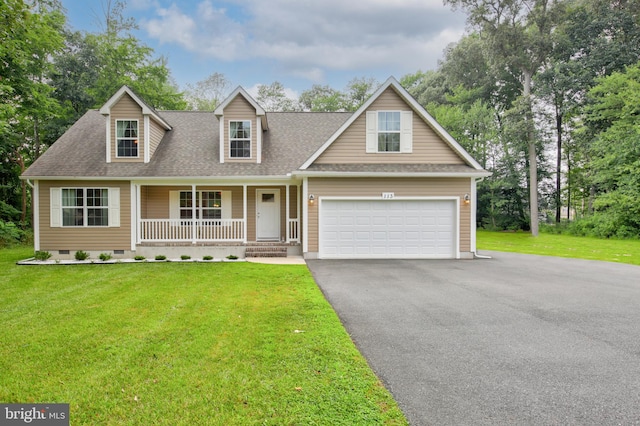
[{"x": 384, "y": 182}]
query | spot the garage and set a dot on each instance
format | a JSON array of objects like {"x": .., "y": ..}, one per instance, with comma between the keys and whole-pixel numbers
[{"x": 394, "y": 228}]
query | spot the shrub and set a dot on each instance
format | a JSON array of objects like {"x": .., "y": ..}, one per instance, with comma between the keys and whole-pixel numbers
[
  {"x": 138, "y": 257},
  {"x": 105, "y": 256},
  {"x": 161, "y": 257},
  {"x": 185, "y": 257},
  {"x": 207, "y": 257},
  {"x": 81, "y": 255},
  {"x": 10, "y": 233},
  {"x": 232, "y": 257},
  {"x": 42, "y": 255}
]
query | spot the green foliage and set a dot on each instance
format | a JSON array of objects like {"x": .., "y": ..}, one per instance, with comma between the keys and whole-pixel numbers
[
  {"x": 81, "y": 255},
  {"x": 207, "y": 257},
  {"x": 232, "y": 257},
  {"x": 185, "y": 257},
  {"x": 206, "y": 94},
  {"x": 42, "y": 255},
  {"x": 272, "y": 97},
  {"x": 105, "y": 256},
  {"x": 322, "y": 98},
  {"x": 139, "y": 257},
  {"x": 161, "y": 257},
  {"x": 10, "y": 234}
]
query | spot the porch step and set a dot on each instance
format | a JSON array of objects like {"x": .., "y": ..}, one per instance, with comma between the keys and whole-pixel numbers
[{"x": 266, "y": 251}]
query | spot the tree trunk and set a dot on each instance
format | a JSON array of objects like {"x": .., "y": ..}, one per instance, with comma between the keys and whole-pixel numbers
[
  {"x": 568, "y": 188},
  {"x": 558, "y": 166},
  {"x": 23, "y": 188},
  {"x": 533, "y": 158}
]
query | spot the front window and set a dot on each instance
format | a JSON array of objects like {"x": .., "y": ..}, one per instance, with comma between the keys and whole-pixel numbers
[
  {"x": 389, "y": 131},
  {"x": 240, "y": 139},
  {"x": 85, "y": 207},
  {"x": 127, "y": 138},
  {"x": 208, "y": 205}
]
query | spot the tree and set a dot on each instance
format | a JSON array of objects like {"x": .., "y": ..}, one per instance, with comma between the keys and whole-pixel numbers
[
  {"x": 272, "y": 97},
  {"x": 322, "y": 98},
  {"x": 616, "y": 152},
  {"x": 518, "y": 34},
  {"x": 358, "y": 91},
  {"x": 123, "y": 60},
  {"x": 206, "y": 94},
  {"x": 30, "y": 35}
]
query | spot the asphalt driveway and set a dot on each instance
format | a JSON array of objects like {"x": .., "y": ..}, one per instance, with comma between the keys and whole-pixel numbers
[{"x": 516, "y": 339}]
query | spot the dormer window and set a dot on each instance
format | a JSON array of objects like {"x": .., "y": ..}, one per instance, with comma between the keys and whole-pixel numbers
[
  {"x": 127, "y": 138},
  {"x": 240, "y": 139},
  {"x": 388, "y": 131}
]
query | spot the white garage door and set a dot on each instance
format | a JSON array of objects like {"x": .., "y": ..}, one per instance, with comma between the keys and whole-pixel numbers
[{"x": 388, "y": 229}]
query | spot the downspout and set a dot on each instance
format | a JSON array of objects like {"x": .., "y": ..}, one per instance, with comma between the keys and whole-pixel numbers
[
  {"x": 35, "y": 212},
  {"x": 475, "y": 206}
]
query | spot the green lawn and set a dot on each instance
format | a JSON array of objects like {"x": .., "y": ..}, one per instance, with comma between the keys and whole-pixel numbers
[
  {"x": 182, "y": 344},
  {"x": 622, "y": 251}
]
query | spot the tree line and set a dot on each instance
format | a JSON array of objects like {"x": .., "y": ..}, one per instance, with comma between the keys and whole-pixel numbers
[{"x": 544, "y": 93}]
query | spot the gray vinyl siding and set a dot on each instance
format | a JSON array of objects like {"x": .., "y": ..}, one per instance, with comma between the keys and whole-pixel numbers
[
  {"x": 355, "y": 187},
  {"x": 127, "y": 109},
  {"x": 428, "y": 146},
  {"x": 84, "y": 238}
]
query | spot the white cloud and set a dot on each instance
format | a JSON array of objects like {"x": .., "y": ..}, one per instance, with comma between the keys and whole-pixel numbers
[{"x": 309, "y": 39}]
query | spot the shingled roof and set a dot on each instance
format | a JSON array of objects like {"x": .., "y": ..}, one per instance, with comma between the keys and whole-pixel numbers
[{"x": 189, "y": 150}]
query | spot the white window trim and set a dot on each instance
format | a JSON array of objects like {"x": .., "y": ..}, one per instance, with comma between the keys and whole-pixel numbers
[
  {"x": 241, "y": 139},
  {"x": 406, "y": 132},
  {"x": 56, "y": 207},
  {"x": 174, "y": 203},
  {"x": 138, "y": 138}
]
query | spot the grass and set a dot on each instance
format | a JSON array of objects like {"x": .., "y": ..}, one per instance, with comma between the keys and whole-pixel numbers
[
  {"x": 182, "y": 344},
  {"x": 621, "y": 251}
]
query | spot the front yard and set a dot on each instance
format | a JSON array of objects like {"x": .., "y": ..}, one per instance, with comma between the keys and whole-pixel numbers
[{"x": 181, "y": 343}]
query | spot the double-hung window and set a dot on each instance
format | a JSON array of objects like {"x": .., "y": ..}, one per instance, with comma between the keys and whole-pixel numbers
[
  {"x": 85, "y": 207},
  {"x": 240, "y": 139},
  {"x": 388, "y": 131},
  {"x": 208, "y": 205},
  {"x": 127, "y": 138}
]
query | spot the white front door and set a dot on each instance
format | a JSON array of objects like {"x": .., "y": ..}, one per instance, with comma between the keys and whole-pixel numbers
[{"x": 268, "y": 214}]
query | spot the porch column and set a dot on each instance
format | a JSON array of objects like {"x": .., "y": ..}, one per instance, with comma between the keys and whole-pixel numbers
[
  {"x": 299, "y": 219},
  {"x": 194, "y": 226},
  {"x": 137, "y": 216},
  {"x": 305, "y": 215},
  {"x": 286, "y": 207},
  {"x": 244, "y": 212}
]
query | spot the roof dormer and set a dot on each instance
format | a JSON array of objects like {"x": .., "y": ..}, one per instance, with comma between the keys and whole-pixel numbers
[
  {"x": 134, "y": 129},
  {"x": 242, "y": 122}
]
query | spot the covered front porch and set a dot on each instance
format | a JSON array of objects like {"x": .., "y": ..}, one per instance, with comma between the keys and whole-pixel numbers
[{"x": 211, "y": 213}]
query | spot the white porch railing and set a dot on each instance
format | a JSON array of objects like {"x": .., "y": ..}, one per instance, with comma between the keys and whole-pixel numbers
[
  {"x": 294, "y": 230},
  {"x": 190, "y": 230}
]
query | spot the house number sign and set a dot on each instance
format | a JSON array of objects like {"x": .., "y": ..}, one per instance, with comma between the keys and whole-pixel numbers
[{"x": 388, "y": 195}]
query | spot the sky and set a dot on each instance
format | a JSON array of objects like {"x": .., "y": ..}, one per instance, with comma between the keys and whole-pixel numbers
[{"x": 296, "y": 42}]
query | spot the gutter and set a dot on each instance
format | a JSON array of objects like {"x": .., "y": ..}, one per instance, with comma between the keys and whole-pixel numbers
[{"x": 478, "y": 174}]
